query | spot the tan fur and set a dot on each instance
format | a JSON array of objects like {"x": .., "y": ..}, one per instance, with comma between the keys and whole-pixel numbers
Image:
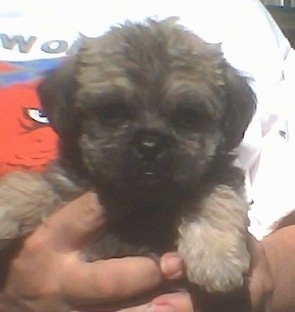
[
  {"x": 27, "y": 198},
  {"x": 220, "y": 224},
  {"x": 23, "y": 197}
]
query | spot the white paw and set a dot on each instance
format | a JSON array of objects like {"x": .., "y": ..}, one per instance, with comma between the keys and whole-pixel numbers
[{"x": 215, "y": 261}]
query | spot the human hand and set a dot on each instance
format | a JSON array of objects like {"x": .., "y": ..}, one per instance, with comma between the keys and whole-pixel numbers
[
  {"x": 48, "y": 273},
  {"x": 279, "y": 249},
  {"x": 260, "y": 280},
  {"x": 174, "y": 302}
]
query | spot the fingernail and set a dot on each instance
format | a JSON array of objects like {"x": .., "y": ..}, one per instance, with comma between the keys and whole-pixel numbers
[{"x": 171, "y": 266}]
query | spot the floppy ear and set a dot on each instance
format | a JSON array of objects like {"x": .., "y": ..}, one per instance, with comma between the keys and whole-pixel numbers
[
  {"x": 240, "y": 103},
  {"x": 56, "y": 93}
]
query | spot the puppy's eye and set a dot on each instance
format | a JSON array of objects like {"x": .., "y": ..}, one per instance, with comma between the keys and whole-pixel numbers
[
  {"x": 114, "y": 112},
  {"x": 185, "y": 118}
]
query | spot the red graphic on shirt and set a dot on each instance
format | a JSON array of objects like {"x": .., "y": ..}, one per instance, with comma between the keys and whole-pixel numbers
[
  {"x": 6, "y": 67},
  {"x": 27, "y": 142}
]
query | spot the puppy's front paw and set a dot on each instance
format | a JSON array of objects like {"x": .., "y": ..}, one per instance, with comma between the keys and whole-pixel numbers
[
  {"x": 214, "y": 260},
  {"x": 25, "y": 198}
]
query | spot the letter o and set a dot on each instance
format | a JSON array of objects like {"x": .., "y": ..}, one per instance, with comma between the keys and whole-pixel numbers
[{"x": 54, "y": 46}]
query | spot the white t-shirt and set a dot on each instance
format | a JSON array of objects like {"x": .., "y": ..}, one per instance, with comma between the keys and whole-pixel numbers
[{"x": 251, "y": 42}]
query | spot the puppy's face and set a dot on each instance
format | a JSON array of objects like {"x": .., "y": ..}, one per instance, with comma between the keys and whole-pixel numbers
[{"x": 147, "y": 108}]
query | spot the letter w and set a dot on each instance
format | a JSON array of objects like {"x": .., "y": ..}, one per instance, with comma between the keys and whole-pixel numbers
[{"x": 24, "y": 46}]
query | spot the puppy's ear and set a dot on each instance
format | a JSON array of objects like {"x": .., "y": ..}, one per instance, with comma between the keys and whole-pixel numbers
[
  {"x": 240, "y": 103},
  {"x": 56, "y": 93}
]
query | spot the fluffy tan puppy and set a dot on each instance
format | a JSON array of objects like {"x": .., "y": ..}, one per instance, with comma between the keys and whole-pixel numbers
[{"x": 148, "y": 116}]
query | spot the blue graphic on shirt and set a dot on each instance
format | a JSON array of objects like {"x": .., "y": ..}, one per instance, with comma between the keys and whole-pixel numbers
[{"x": 20, "y": 72}]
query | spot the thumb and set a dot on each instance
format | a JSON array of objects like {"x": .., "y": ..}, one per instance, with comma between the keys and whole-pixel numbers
[{"x": 74, "y": 224}]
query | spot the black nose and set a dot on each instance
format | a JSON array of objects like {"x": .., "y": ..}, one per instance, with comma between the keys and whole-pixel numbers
[{"x": 149, "y": 145}]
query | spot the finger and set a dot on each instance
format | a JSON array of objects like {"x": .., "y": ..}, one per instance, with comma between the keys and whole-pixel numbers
[
  {"x": 259, "y": 277},
  {"x": 181, "y": 302},
  {"x": 107, "y": 281},
  {"x": 146, "y": 307},
  {"x": 172, "y": 266},
  {"x": 73, "y": 224},
  {"x": 142, "y": 308}
]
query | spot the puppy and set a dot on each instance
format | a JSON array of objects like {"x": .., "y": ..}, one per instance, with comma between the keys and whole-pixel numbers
[{"x": 148, "y": 117}]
